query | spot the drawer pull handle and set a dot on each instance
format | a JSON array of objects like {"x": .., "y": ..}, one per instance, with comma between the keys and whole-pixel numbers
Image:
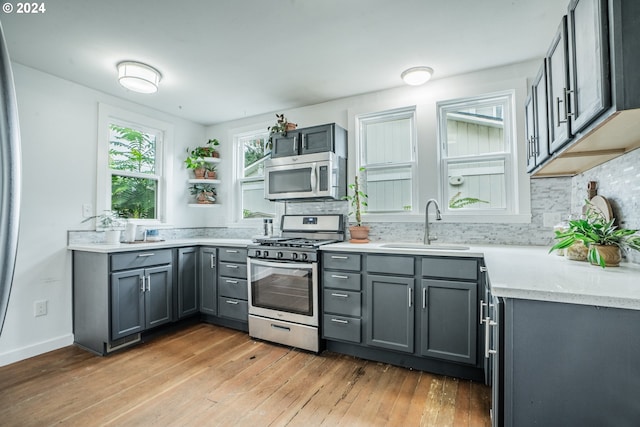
[
  {"x": 333, "y": 294},
  {"x": 338, "y": 276},
  {"x": 339, "y": 257},
  {"x": 232, "y": 266},
  {"x": 232, "y": 251},
  {"x": 233, "y": 282},
  {"x": 232, "y": 302},
  {"x": 146, "y": 255},
  {"x": 284, "y": 328},
  {"x": 212, "y": 261},
  {"x": 344, "y": 322}
]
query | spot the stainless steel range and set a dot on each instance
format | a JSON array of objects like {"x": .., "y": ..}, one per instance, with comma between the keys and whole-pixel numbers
[{"x": 283, "y": 280}]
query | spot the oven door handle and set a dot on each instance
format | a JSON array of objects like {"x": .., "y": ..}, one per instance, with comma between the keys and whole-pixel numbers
[{"x": 306, "y": 265}]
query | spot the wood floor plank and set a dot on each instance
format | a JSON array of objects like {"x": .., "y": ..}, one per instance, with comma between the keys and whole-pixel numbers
[{"x": 214, "y": 376}]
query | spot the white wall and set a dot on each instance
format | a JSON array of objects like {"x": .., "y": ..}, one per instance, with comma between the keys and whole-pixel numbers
[
  {"x": 58, "y": 125},
  {"x": 343, "y": 112}
]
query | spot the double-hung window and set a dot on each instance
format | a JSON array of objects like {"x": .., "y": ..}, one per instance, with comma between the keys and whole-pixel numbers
[
  {"x": 252, "y": 151},
  {"x": 477, "y": 162},
  {"x": 387, "y": 152}
]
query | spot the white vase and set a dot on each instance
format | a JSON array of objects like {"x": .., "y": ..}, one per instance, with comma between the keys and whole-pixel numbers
[{"x": 112, "y": 237}]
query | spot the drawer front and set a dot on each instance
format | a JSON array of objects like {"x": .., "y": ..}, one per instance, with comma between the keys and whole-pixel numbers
[
  {"x": 232, "y": 288},
  {"x": 341, "y": 328},
  {"x": 128, "y": 260},
  {"x": 342, "y": 280},
  {"x": 347, "y": 303},
  {"x": 450, "y": 268},
  {"x": 403, "y": 265},
  {"x": 341, "y": 261},
  {"x": 232, "y": 255},
  {"x": 233, "y": 309},
  {"x": 231, "y": 269}
]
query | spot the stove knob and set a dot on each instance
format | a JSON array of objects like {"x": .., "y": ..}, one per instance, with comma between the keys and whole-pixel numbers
[
  {"x": 257, "y": 254},
  {"x": 304, "y": 257},
  {"x": 265, "y": 254},
  {"x": 294, "y": 255},
  {"x": 280, "y": 255}
]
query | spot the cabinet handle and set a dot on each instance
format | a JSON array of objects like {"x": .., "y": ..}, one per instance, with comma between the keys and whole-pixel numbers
[
  {"x": 567, "y": 113},
  {"x": 304, "y": 141},
  {"x": 146, "y": 255},
  {"x": 232, "y": 266},
  {"x": 410, "y": 297},
  {"x": 558, "y": 102},
  {"x": 295, "y": 144},
  {"x": 231, "y": 251},
  {"x": 233, "y": 282},
  {"x": 142, "y": 284},
  {"x": 148, "y": 283},
  {"x": 339, "y": 257},
  {"x": 482, "y": 305},
  {"x": 487, "y": 330},
  {"x": 424, "y": 298},
  {"x": 338, "y": 276},
  {"x": 231, "y": 302},
  {"x": 344, "y": 322},
  {"x": 333, "y": 294},
  {"x": 212, "y": 261}
]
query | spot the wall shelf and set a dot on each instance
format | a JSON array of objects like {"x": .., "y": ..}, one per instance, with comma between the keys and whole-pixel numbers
[{"x": 204, "y": 181}]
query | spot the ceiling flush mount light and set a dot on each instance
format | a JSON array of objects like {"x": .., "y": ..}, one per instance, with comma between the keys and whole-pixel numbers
[
  {"x": 138, "y": 77},
  {"x": 416, "y": 76}
]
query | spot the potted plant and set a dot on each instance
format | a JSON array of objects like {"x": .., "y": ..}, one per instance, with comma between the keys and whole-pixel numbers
[
  {"x": 282, "y": 126},
  {"x": 205, "y": 193},
  {"x": 111, "y": 223},
  {"x": 603, "y": 239},
  {"x": 195, "y": 161},
  {"x": 211, "y": 171},
  {"x": 212, "y": 146},
  {"x": 359, "y": 233}
]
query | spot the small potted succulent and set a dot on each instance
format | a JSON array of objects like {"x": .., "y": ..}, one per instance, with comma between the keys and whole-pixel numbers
[
  {"x": 211, "y": 171},
  {"x": 111, "y": 223},
  {"x": 359, "y": 233},
  {"x": 602, "y": 238}
]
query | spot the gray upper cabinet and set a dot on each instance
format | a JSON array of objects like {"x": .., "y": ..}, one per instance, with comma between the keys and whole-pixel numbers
[
  {"x": 316, "y": 139},
  {"x": 588, "y": 61},
  {"x": 390, "y": 322},
  {"x": 208, "y": 281},
  {"x": 558, "y": 89},
  {"x": 537, "y": 113},
  {"x": 187, "y": 282}
]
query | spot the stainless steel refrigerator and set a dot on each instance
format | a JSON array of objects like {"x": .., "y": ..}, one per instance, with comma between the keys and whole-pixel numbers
[{"x": 9, "y": 178}]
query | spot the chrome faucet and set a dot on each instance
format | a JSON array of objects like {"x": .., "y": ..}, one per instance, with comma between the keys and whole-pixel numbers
[{"x": 427, "y": 238}]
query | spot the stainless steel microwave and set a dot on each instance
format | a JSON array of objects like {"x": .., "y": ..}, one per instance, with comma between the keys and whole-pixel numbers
[{"x": 309, "y": 176}]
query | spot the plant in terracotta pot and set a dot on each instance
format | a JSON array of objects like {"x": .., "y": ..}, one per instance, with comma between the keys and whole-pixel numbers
[
  {"x": 212, "y": 147},
  {"x": 603, "y": 239},
  {"x": 359, "y": 233},
  {"x": 205, "y": 193},
  {"x": 211, "y": 171},
  {"x": 282, "y": 126},
  {"x": 195, "y": 161}
]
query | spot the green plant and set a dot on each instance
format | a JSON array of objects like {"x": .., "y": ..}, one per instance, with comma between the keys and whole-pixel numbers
[
  {"x": 595, "y": 230},
  {"x": 213, "y": 144},
  {"x": 195, "y": 158},
  {"x": 282, "y": 126},
  {"x": 108, "y": 220},
  {"x": 358, "y": 199},
  {"x": 210, "y": 167},
  {"x": 458, "y": 202},
  {"x": 197, "y": 189}
]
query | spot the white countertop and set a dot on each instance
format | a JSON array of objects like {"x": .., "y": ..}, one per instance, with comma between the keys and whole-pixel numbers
[
  {"x": 530, "y": 272},
  {"x": 175, "y": 243}
]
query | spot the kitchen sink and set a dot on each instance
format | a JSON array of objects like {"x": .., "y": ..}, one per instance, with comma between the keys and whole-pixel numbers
[{"x": 431, "y": 247}]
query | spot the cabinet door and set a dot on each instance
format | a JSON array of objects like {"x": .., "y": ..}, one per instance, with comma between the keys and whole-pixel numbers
[
  {"x": 187, "y": 282},
  {"x": 558, "y": 79},
  {"x": 541, "y": 114},
  {"x": 530, "y": 134},
  {"x": 158, "y": 296},
  {"x": 282, "y": 146},
  {"x": 127, "y": 303},
  {"x": 588, "y": 61},
  {"x": 208, "y": 281},
  {"x": 317, "y": 139},
  {"x": 390, "y": 309},
  {"x": 449, "y": 320}
]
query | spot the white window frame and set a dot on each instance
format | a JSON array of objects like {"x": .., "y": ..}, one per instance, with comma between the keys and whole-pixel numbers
[
  {"x": 361, "y": 121},
  {"x": 510, "y": 212},
  {"x": 238, "y": 166},
  {"x": 108, "y": 114}
]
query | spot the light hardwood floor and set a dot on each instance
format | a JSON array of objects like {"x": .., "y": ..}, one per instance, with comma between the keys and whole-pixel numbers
[{"x": 206, "y": 375}]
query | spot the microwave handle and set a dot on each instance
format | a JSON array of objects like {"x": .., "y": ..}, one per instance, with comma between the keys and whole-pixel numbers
[{"x": 314, "y": 177}]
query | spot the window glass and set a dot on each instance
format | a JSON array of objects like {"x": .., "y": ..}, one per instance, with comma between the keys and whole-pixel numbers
[{"x": 253, "y": 149}]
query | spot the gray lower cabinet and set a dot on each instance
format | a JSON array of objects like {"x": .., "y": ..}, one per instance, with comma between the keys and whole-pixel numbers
[
  {"x": 232, "y": 284},
  {"x": 208, "y": 281},
  {"x": 342, "y": 297},
  {"x": 188, "y": 297}
]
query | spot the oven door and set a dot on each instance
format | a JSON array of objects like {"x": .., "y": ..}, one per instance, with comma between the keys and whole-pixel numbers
[{"x": 286, "y": 291}]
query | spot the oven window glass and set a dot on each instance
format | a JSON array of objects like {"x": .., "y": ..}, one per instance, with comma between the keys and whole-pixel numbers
[
  {"x": 282, "y": 288},
  {"x": 290, "y": 181}
]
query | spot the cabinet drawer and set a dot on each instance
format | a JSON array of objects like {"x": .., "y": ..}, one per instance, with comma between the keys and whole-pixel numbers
[
  {"x": 341, "y": 261},
  {"x": 341, "y": 328},
  {"x": 232, "y": 254},
  {"x": 342, "y": 280},
  {"x": 450, "y": 268},
  {"x": 128, "y": 260},
  {"x": 231, "y": 269},
  {"x": 347, "y": 303},
  {"x": 233, "y": 309},
  {"x": 390, "y": 264},
  {"x": 232, "y": 288}
]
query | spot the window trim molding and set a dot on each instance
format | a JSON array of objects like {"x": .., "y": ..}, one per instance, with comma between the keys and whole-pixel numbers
[{"x": 108, "y": 113}]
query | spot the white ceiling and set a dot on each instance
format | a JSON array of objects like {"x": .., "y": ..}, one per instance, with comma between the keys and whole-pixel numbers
[{"x": 227, "y": 59}]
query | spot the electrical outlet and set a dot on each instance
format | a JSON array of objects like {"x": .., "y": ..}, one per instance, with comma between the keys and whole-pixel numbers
[
  {"x": 40, "y": 308},
  {"x": 549, "y": 219},
  {"x": 87, "y": 210}
]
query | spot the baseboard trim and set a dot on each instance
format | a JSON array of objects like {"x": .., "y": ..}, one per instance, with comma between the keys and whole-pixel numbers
[{"x": 35, "y": 349}]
